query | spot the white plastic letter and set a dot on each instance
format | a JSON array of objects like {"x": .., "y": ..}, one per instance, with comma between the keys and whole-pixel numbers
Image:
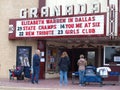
[
  {"x": 24, "y": 13},
  {"x": 45, "y": 11},
  {"x": 33, "y": 12},
  {"x": 69, "y": 10},
  {"x": 82, "y": 8},
  {"x": 96, "y": 8}
]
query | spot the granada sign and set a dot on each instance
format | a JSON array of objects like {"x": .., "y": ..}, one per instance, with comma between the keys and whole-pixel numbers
[
  {"x": 45, "y": 11},
  {"x": 61, "y": 26}
]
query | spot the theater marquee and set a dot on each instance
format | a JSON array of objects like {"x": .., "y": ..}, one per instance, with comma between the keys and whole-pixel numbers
[{"x": 60, "y": 26}]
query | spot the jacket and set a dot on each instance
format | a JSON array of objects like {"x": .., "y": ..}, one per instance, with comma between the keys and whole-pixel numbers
[
  {"x": 36, "y": 60},
  {"x": 81, "y": 64},
  {"x": 64, "y": 63}
]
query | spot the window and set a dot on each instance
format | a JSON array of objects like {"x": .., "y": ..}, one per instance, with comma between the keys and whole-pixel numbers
[
  {"x": 23, "y": 56},
  {"x": 111, "y": 55}
]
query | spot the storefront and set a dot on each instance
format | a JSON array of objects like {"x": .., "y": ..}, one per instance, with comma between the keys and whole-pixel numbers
[{"x": 75, "y": 28}]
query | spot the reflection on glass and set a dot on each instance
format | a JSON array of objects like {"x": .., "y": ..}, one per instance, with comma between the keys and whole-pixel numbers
[
  {"x": 111, "y": 55},
  {"x": 91, "y": 57}
]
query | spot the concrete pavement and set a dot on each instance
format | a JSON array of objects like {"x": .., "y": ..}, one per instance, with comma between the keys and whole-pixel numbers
[{"x": 52, "y": 84}]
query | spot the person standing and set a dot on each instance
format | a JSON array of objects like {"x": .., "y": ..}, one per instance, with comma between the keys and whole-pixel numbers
[
  {"x": 81, "y": 68},
  {"x": 63, "y": 64},
  {"x": 36, "y": 67}
]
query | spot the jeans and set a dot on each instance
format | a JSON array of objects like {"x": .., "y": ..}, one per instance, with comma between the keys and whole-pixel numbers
[
  {"x": 35, "y": 75},
  {"x": 81, "y": 76},
  {"x": 63, "y": 77}
]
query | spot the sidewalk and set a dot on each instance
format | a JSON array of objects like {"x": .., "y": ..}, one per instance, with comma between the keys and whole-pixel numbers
[{"x": 51, "y": 84}]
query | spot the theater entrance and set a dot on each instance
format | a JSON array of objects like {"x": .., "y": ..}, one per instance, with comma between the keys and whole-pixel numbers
[
  {"x": 53, "y": 52},
  {"x": 89, "y": 53}
]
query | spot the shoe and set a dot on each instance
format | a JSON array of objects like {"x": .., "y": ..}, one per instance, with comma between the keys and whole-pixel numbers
[
  {"x": 81, "y": 84},
  {"x": 36, "y": 82},
  {"x": 65, "y": 84},
  {"x": 61, "y": 85},
  {"x": 32, "y": 82}
]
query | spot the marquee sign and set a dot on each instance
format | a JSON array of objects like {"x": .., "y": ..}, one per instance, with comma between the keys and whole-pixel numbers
[{"x": 61, "y": 26}]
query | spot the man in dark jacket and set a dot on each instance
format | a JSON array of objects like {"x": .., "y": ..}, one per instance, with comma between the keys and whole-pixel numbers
[{"x": 36, "y": 67}]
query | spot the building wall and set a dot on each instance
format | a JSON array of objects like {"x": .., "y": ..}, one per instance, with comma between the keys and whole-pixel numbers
[
  {"x": 10, "y": 9},
  {"x": 75, "y": 2}
]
